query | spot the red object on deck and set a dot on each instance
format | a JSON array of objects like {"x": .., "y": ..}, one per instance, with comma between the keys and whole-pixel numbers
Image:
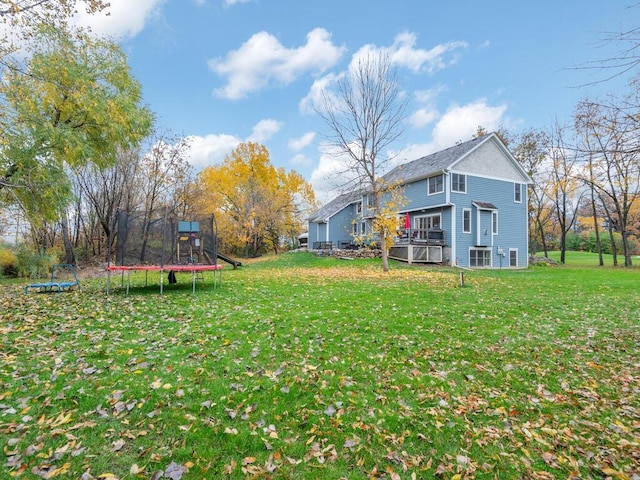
[{"x": 407, "y": 221}]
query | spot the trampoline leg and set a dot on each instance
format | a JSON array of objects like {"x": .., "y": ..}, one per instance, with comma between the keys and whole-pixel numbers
[{"x": 161, "y": 281}]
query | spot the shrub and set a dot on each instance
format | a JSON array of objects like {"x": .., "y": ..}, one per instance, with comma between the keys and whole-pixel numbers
[
  {"x": 35, "y": 265},
  {"x": 8, "y": 262}
]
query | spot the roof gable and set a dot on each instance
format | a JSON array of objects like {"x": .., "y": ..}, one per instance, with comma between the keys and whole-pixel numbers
[
  {"x": 431, "y": 164},
  {"x": 485, "y": 156},
  {"x": 491, "y": 158},
  {"x": 334, "y": 206}
]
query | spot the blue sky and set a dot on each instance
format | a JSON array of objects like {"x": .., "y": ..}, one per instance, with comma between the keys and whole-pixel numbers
[{"x": 230, "y": 71}]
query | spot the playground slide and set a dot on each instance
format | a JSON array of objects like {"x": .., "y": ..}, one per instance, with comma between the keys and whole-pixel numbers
[{"x": 224, "y": 258}]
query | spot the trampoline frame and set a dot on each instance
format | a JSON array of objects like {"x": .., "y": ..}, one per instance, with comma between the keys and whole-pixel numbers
[{"x": 194, "y": 268}]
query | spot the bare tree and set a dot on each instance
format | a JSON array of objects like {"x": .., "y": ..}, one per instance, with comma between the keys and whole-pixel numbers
[
  {"x": 531, "y": 151},
  {"x": 611, "y": 131},
  {"x": 165, "y": 168},
  {"x": 565, "y": 193},
  {"x": 104, "y": 191},
  {"x": 627, "y": 58},
  {"x": 366, "y": 117}
]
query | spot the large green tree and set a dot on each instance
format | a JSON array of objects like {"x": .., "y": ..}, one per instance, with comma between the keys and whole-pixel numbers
[
  {"x": 74, "y": 103},
  {"x": 19, "y": 19}
]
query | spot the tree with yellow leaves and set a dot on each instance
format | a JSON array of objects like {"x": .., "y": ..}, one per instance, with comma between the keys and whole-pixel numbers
[{"x": 256, "y": 204}]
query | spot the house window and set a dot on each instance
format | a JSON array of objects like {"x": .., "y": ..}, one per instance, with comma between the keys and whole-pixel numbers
[
  {"x": 479, "y": 258},
  {"x": 359, "y": 207},
  {"x": 466, "y": 220},
  {"x": 363, "y": 228},
  {"x": 517, "y": 192},
  {"x": 458, "y": 183},
  {"x": 368, "y": 200},
  {"x": 494, "y": 222},
  {"x": 513, "y": 257},
  {"x": 436, "y": 184},
  {"x": 423, "y": 224},
  {"x": 355, "y": 229}
]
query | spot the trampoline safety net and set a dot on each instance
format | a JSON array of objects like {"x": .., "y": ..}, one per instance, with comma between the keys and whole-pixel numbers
[{"x": 139, "y": 238}]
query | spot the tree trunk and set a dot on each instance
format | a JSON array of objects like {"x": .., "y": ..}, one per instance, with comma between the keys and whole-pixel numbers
[
  {"x": 68, "y": 247},
  {"x": 545, "y": 248},
  {"x": 385, "y": 254},
  {"x": 614, "y": 248},
  {"x": 626, "y": 249},
  {"x": 595, "y": 224}
]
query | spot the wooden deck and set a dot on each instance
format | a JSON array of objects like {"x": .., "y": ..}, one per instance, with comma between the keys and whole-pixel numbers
[{"x": 419, "y": 246}]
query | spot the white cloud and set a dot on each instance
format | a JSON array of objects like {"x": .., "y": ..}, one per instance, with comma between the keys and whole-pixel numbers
[
  {"x": 304, "y": 141},
  {"x": 459, "y": 123},
  {"x": 403, "y": 53},
  {"x": 122, "y": 19},
  {"x": 213, "y": 148},
  {"x": 210, "y": 149},
  {"x": 263, "y": 60},
  {"x": 301, "y": 160},
  {"x": 230, "y": 3},
  {"x": 315, "y": 98},
  {"x": 427, "y": 112},
  {"x": 264, "y": 130},
  {"x": 422, "y": 117},
  {"x": 332, "y": 175}
]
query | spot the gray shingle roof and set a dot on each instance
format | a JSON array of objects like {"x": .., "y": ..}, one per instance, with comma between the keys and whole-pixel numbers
[
  {"x": 436, "y": 162},
  {"x": 334, "y": 206},
  {"x": 405, "y": 173}
]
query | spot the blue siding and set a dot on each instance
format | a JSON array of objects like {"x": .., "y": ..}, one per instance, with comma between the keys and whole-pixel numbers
[
  {"x": 417, "y": 196},
  {"x": 317, "y": 233},
  {"x": 512, "y": 233},
  {"x": 341, "y": 225},
  {"x": 512, "y": 221}
]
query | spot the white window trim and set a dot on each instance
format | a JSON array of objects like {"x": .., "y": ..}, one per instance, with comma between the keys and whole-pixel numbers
[
  {"x": 428, "y": 215},
  {"x": 429, "y": 192},
  {"x": 484, "y": 249},
  {"x": 513, "y": 250},
  {"x": 465, "y": 183},
  {"x": 466, "y": 210},
  {"x": 518, "y": 186}
]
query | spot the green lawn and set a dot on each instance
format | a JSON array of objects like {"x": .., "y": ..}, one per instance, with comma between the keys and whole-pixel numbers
[{"x": 301, "y": 367}]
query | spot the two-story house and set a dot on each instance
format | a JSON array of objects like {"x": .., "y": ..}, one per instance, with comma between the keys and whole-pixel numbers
[{"x": 466, "y": 206}]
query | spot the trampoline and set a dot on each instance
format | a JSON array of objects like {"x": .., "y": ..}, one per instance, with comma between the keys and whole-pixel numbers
[
  {"x": 194, "y": 269},
  {"x": 161, "y": 244}
]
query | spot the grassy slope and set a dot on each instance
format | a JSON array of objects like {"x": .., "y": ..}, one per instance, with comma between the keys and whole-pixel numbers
[{"x": 301, "y": 367}]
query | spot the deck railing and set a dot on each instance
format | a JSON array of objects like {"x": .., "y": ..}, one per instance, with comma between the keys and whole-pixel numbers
[{"x": 418, "y": 236}]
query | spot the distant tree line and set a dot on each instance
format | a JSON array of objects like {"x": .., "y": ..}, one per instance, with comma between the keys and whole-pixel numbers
[{"x": 77, "y": 145}]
